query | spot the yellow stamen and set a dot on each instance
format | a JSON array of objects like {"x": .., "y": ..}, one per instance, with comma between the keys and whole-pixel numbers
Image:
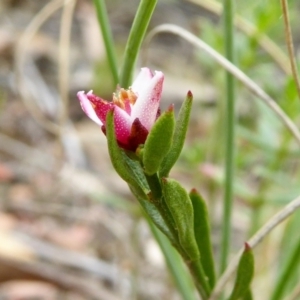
[{"x": 123, "y": 95}]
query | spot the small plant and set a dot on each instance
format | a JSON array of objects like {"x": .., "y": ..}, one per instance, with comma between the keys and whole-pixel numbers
[{"x": 145, "y": 143}]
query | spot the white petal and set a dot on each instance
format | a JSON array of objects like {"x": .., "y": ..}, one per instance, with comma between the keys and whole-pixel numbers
[
  {"x": 88, "y": 108},
  {"x": 142, "y": 80},
  {"x": 148, "y": 101}
]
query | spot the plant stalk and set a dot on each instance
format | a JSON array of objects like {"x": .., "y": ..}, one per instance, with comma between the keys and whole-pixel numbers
[
  {"x": 136, "y": 36},
  {"x": 107, "y": 38},
  {"x": 230, "y": 128}
]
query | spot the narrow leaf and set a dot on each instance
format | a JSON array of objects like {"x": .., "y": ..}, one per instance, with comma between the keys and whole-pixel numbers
[
  {"x": 138, "y": 172},
  {"x": 136, "y": 36},
  {"x": 202, "y": 234},
  {"x": 107, "y": 38},
  {"x": 158, "y": 142},
  {"x": 181, "y": 127},
  {"x": 288, "y": 270},
  {"x": 244, "y": 275},
  {"x": 181, "y": 208}
]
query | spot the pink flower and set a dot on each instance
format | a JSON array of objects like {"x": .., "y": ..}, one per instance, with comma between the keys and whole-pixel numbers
[{"x": 135, "y": 109}]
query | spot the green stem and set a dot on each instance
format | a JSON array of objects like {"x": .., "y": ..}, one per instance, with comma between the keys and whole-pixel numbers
[
  {"x": 181, "y": 278},
  {"x": 290, "y": 44},
  {"x": 288, "y": 270},
  {"x": 200, "y": 278},
  {"x": 259, "y": 200},
  {"x": 195, "y": 267},
  {"x": 107, "y": 38},
  {"x": 230, "y": 124},
  {"x": 155, "y": 186},
  {"x": 157, "y": 200},
  {"x": 136, "y": 36}
]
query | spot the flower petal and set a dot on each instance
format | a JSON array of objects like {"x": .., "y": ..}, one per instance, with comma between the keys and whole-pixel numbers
[
  {"x": 138, "y": 135},
  {"x": 147, "y": 103},
  {"x": 122, "y": 124},
  {"x": 142, "y": 80},
  {"x": 100, "y": 106},
  {"x": 87, "y": 107}
]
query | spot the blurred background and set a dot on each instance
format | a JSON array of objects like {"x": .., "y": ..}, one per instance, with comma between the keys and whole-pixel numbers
[{"x": 69, "y": 228}]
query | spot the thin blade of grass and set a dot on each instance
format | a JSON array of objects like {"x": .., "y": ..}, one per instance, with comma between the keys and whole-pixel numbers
[
  {"x": 229, "y": 133},
  {"x": 107, "y": 38},
  {"x": 136, "y": 36}
]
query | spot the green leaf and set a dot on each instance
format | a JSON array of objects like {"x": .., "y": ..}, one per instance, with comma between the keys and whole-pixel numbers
[
  {"x": 202, "y": 234},
  {"x": 181, "y": 127},
  {"x": 287, "y": 271},
  {"x": 244, "y": 275},
  {"x": 136, "y": 36},
  {"x": 181, "y": 208},
  {"x": 107, "y": 38},
  {"x": 158, "y": 142},
  {"x": 119, "y": 160},
  {"x": 137, "y": 171}
]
